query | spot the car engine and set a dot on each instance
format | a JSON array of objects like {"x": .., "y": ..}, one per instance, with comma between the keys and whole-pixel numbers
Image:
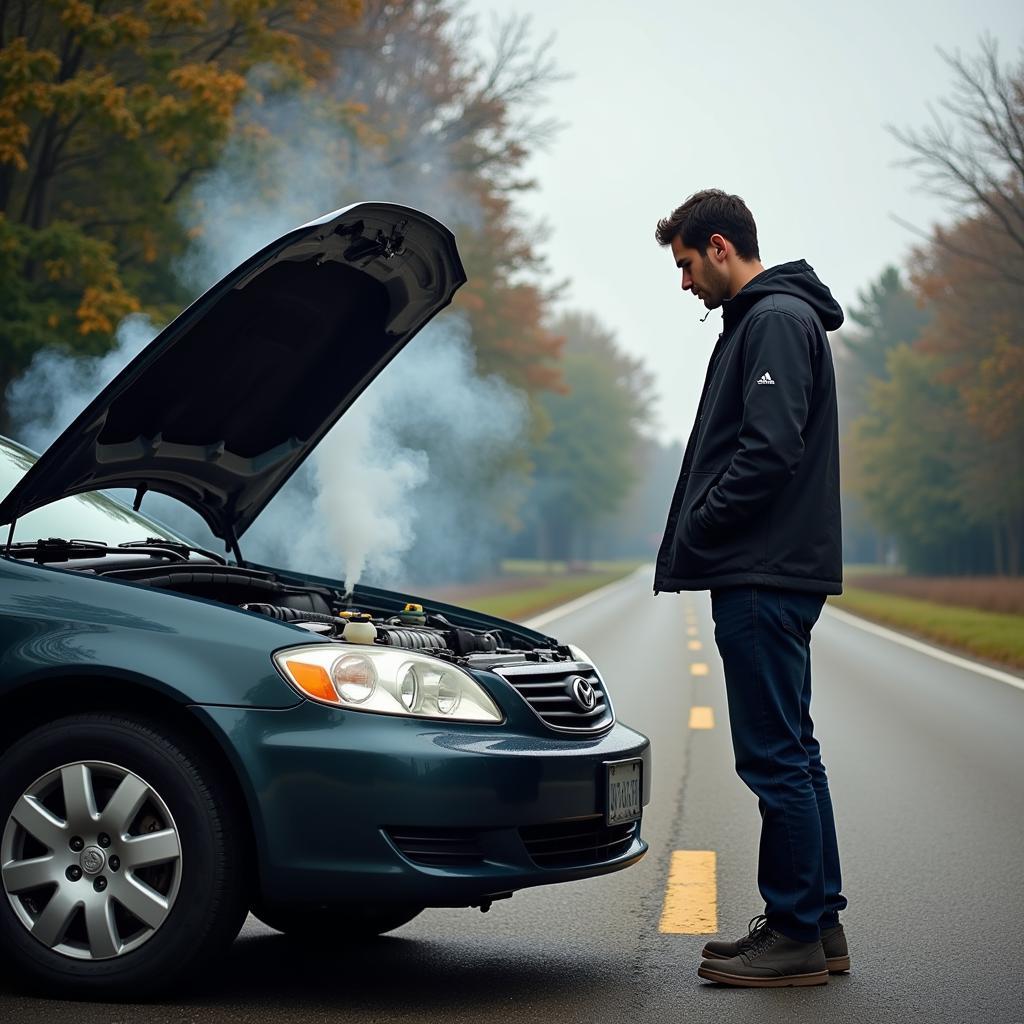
[{"x": 363, "y": 615}]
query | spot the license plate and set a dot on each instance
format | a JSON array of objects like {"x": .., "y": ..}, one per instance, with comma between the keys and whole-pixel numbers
[{"x": 625, "y": 791}]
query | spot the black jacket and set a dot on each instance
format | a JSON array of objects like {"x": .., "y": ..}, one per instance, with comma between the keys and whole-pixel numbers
[{"x": 757, "y": 500}]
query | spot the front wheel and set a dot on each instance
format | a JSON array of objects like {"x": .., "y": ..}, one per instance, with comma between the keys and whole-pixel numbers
[
  {"x": 119, "y": 857},
  {"x": 339, "y": 923}
]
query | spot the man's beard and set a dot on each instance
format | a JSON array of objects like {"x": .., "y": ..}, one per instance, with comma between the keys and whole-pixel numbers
[{"x": 715, "y": 288}]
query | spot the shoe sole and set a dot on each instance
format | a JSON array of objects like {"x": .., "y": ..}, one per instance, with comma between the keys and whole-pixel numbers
[
  {"x": 782, "y": 981},
  {"x": 835, "y": 964}
]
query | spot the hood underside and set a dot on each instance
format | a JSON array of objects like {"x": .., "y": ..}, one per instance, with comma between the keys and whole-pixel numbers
[{"x": 229, "y": 399}]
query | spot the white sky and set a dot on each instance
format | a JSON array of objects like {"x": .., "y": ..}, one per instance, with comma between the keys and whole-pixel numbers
[{"x": 784, "y": 103}]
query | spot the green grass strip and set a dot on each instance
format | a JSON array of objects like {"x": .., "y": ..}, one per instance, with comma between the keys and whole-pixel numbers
[
  {"x": 539, "y": 567},
  {"x": 518, "y": 605},
  {"x": 990, "y": 635}
]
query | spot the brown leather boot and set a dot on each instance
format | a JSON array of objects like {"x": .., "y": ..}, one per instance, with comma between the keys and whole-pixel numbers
[
  {"x": 769, "y": 960},
  {"x": 833, "y": 942}
]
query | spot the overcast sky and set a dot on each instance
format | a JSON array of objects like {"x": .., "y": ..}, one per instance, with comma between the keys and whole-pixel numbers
[{"x": 783, "y": 103}]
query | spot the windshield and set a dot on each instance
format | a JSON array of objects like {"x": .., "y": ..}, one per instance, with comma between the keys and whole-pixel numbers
[{"x": 91, "y": 516}]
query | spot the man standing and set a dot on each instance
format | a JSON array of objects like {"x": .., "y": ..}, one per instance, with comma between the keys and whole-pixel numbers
[{"x": 755, "y": 520}]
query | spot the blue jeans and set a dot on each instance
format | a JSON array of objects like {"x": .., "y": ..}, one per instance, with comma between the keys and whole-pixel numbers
[{"x": 764, "y": 636}]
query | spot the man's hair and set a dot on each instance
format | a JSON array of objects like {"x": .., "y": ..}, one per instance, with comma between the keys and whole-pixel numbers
[{"x": 711, "y": 212}]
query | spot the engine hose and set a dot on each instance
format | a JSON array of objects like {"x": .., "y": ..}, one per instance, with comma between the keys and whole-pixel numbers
[
  {"x": 411, "y": 638},
  {"x": 276, "y": 611}
]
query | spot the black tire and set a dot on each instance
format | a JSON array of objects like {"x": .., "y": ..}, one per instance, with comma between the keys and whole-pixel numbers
[
  {"x": 341, "y": 923},
  {"x": 208, "y": 902}
]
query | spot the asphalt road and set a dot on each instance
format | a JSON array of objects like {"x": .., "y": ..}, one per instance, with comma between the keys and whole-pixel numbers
[{"x": 926, "y": 761}]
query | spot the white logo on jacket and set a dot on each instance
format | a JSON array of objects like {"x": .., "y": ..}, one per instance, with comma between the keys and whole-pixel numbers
[{"x": 766, "y": 378}]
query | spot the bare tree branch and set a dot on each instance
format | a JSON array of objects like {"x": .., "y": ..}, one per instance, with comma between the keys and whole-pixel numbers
[{"x": 973, "y": 152}]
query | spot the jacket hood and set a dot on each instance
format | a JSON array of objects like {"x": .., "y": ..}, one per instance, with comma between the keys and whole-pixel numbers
[
  {"x": 798, "y": 279},
  {"x": 227, "y": 401}
]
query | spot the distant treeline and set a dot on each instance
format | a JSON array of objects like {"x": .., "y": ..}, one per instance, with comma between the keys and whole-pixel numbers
[{"x": 931, "y": 369}]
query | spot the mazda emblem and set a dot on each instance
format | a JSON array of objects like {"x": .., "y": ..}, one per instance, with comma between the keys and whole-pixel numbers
[
  {"x": 583, "y": 693},
  {"x": 92, "y": 860}
]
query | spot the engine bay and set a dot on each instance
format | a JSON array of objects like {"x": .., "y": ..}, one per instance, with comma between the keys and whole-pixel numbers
[{"x": 362, "y": 615}]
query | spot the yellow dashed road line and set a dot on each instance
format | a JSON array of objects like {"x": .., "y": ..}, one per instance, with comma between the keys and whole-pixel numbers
[
  {"x": 699, "y": 668},
  {"x": 694, "y": 645},
  {"x": 691, "y": 897},
  {"x": 702, "y": 718}
]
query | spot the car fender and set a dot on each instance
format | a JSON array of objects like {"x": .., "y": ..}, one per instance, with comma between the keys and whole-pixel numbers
[{"x": 60, "y": 623}]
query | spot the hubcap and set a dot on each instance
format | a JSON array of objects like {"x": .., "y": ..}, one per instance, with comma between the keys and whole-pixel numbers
[{"x": 82, "y": 899}]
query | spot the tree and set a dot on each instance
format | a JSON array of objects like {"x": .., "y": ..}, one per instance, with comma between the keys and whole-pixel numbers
[
  {"x": 587, "y": 465},
  {"x": 888, "y": 315},
  {"x": 585, "y": 335},
  {"x": 454, "y": 126},
  {"x": 939, "y": 453},
  {"x": 973, "y": 155},
  {"x": 976, "y": 341},
  {"x": 908, "y": 470}
]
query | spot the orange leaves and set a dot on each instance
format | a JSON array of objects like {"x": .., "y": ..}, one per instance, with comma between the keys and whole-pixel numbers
[
  {"x": 77, "y": 15},
  {"x": 102, "y": 30},
  {"x": 56, "y": 269},
  {"x": 177, "y": 12},
  {"x": 199, "y": 109},
  {"x": 995, "y": 394},
  {"x": 103, "y": 306},
  {"x": 213, "y": 90},
  {"x": 23, "y": 92},
  {"x": 14, "y": 135},
  {"x": 976, "y": 335},
  {"x": 20, "y": 66}
]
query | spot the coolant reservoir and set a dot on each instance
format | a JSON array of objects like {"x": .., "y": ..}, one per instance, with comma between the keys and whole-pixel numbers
[{"x": 359, "y": 630}]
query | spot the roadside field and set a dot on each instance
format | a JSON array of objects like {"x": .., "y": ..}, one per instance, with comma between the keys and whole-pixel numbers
[
  {"x": 987, "y": 593},
  {"x": 990, "y": 635},
  {"x": 527, "y": 588}
]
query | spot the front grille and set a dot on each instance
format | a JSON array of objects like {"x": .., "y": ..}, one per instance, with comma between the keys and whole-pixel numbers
[
  {"x": 438, "y": 847},
  {"x": 565, "y": 844},
  {"x": 549, "y": 690}
]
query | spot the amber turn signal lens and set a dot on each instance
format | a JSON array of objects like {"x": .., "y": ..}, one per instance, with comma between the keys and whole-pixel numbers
[{"x": 313, "y": 679}]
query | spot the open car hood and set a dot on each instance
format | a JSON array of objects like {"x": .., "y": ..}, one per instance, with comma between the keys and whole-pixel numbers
[{"x": 226, "y": 402}]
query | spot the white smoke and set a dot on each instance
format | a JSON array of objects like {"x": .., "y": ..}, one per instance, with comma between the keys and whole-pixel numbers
[
  {"x": 406, "y": 460},
  {"x": 57, "y": 386},
  {"x": 248, "y": 201},
  {"x": 398, "y": 490}
]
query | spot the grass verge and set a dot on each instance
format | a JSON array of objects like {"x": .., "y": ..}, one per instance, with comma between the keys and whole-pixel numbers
[
  {"x": 510, "y": 600},
  {"x": 994, "y": 636},
  {"x": 520, "y": 605}
]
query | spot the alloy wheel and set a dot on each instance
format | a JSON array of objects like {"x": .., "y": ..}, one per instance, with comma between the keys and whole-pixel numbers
[{"x": 90, "y": 860}]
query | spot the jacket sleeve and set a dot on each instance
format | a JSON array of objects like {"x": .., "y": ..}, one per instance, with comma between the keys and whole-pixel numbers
[{"x": 779, "y": 348}]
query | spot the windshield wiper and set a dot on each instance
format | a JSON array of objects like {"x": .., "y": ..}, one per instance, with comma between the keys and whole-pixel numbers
[
  {"x": 57, "y": 549},
  {"x": 177, "y": 546}
]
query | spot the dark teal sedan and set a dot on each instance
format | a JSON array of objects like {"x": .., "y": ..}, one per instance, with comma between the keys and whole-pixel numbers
[{"x": 186, "y": 736}]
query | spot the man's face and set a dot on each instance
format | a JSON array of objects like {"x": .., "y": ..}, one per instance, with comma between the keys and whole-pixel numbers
[{"x": 701, "y": 275}]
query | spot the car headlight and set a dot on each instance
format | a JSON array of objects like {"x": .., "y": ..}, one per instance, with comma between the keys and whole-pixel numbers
[{"x": 390, "y": 682}]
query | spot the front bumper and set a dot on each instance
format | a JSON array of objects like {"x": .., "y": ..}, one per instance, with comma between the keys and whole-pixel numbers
[{"x": 328, "y": 790}]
